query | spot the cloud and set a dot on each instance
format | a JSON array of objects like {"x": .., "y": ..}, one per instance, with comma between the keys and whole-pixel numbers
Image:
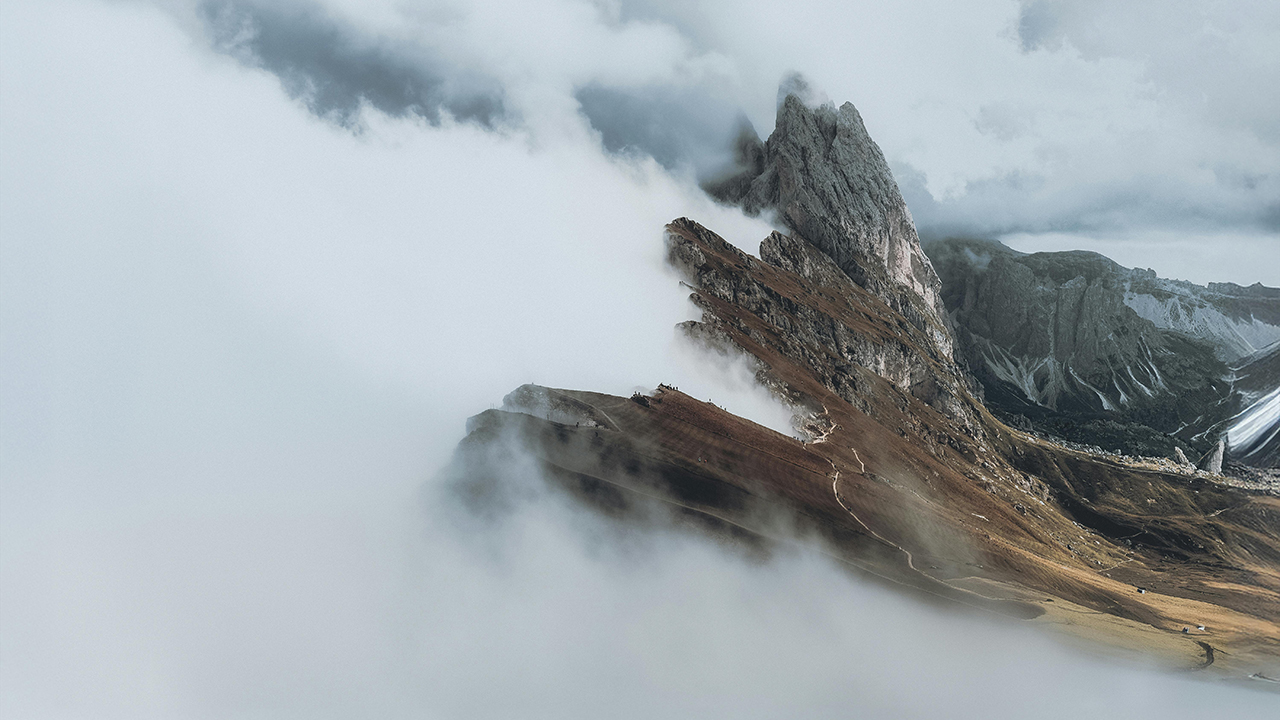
[
  {"x": 680, "y": 128},
  {"x": 237, "y": 338},
  {"x": 1063, "y": 116},
  {"x": 336, "y": 70},
  {"x": 547, "y": 612}
]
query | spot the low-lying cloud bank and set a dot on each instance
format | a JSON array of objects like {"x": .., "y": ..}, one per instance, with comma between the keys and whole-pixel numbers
[
  {"x": 238, "y": 337},
  {"x": 548, "y": 612}
]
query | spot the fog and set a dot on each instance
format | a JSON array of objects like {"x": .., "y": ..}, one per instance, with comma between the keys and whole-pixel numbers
[{"x": 242, "y": 325}]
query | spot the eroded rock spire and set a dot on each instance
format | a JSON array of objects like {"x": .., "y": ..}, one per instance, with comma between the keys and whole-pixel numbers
[{"x": 829, "y": 183}]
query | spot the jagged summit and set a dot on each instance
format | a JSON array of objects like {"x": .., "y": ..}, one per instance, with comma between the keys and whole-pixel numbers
[{"x": 829, "y": 183}]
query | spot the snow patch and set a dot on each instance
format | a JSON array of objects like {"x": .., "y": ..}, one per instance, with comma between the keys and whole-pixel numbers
[{"x": 1256, "y": 426}]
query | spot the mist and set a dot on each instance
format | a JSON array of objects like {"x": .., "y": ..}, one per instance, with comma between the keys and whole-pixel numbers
[{"x": 243, "y": 322}]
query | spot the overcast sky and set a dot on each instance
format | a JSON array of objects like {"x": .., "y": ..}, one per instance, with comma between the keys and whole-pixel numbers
[
  {"x": 1063, "y": 124},
  {"x": 259, "y": 262}
]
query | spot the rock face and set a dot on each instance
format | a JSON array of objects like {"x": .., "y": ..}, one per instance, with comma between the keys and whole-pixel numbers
[
  {"x": 799, "y": 305},
  {"x": 904, "y": 476},
  {"x": 1213, "y": 463},
  {"x": 1254, "y": 432},
  {"x": 1056, "y": 337},
  {"x": 1180, "y": 457},
  {"x": 829, "y": 183}
]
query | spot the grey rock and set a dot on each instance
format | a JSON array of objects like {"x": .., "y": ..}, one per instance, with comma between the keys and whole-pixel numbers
[
  {"x": 1254, "y": 432},
  {"x": 1180, "y": 456},
  {"x": 1237, "y": 321},
  {"x": 828, "y": 182},
  {"x": 1213, "y": 463},
  {"x": 1055, "y": 337},
  {"x": 840, "y": 328}
]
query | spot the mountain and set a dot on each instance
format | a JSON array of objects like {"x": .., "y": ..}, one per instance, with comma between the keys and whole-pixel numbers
[
  {"x": 1237, "y": 321},
  {"x": 1083, "y": 348},
  {"x": 903, "y": 475},
  {"x": 828, "y": 181}
]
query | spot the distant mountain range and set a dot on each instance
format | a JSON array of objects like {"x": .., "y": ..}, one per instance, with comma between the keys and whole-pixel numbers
[{"x": 1081, "y": 347}]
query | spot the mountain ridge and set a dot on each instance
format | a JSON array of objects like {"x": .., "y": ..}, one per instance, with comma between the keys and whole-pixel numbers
[
  {"x": 903, "y": 476},
  {"x": 1072, "y": 339},
  {"x": 828, "y": 181},
  {"x": 893, "y": 488}
]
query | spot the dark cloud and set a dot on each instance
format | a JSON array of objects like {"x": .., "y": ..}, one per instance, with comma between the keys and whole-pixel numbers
[
  {"x": 925, "y": 211},
  {"x": 1038, "y": 26},
  {"x": 1271, "y": 218},
  {"x": 1172, "y": 104},
  {"x": 334, "y": 69},
  {"x": 677, "y": 127},
  {"x": 1030, "y": 202}
]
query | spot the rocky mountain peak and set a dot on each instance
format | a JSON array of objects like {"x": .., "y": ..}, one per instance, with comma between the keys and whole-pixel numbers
[{"x": 828, "y": 181}]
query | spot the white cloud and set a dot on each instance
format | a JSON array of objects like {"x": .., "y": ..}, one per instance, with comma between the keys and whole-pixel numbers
[
  {"x": 236, "y": 339},
  {"x": 1042, "y": 116}
]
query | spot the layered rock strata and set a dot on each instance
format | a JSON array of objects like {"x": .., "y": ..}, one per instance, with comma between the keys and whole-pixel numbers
[{"x": 796, "y": 302}]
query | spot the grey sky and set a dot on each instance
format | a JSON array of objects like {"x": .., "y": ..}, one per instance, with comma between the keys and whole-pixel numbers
[
  {"x": 335, "y": 70},
  {"x": 251, "y": 288}
]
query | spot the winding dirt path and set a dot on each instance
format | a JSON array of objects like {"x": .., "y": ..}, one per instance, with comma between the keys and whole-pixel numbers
[{"x": 835, "y": 490}]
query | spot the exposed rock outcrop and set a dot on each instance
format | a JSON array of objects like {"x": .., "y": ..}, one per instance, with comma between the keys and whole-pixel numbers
[
  {"x": 1180, "y": 456},
  {"x": 905, "y": 478},
  {"x": 1236, "y": 321},
  {"x": 1213, "y": 461},
  {"x": 829, "y": 183},
  {"x": 1254, "y": 432}
]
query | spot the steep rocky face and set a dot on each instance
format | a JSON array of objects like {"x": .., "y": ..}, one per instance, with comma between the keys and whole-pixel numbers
[
  {"x": 796, "y": 303},
  {"x": 1213, "y": 463},
  {"x": 829, "y": 183},
  {"x": 905, "y": 477},
  {"x": 1068, "y": 340}
]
